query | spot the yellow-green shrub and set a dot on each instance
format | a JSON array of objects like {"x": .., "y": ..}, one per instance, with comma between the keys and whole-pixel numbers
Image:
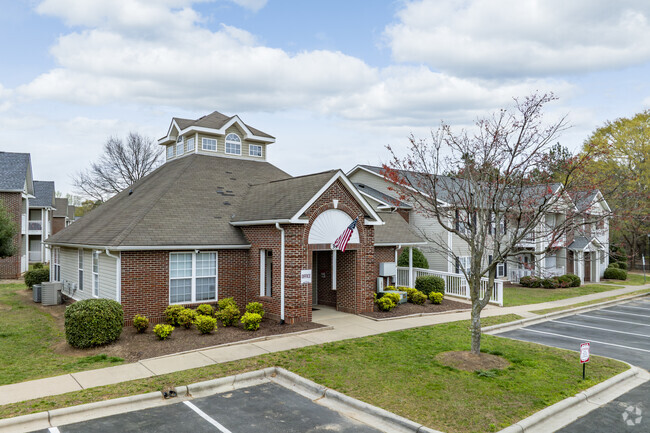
[
  {"x": 205, "y": 324},
  {"x": 251, "y": 321},
  {"x": 140, "y": 323},
  {"x": 163, "y": 331}
]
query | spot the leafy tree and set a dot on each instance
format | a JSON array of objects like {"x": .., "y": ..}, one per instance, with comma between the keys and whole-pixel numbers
[
  {"x": 419, "y": 261},
  {"x": 622, "y": 164},
  {"x": 501, "y": 192},
  {"x": 119, "y": 167},
  {"x": 85, "y": 207},
  {"x": 7, "y": 233}
]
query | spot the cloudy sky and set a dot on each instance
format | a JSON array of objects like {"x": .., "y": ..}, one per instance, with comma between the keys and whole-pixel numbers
[{"x": 334, "y": 81}]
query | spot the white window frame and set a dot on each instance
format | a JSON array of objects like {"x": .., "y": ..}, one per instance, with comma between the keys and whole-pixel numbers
[
  {"x": 230, "y": 141},
  {"x": 80, "y": 274},
  {"x": 56, "y": 264},
  {"x": 95, "y": 271},
  {"x": 208, "y": 143},
  {"x": 264, "y": 257},
  {"x": 501, "y": 269},
  {"x": 193, "y": 278},
  {"x": 170, "y": 151},
  {"x": 189, "y": 144},
  {"x": 255, "y": 154},
  {"x": 465, "y": 262},
  {"x": 179, "y": 146}
]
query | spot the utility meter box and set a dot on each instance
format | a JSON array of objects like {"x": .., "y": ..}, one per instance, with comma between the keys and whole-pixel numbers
[{"x": 387, "y": 269}]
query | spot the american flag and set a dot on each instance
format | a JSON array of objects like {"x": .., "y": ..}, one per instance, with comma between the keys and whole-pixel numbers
[{"x": 342, "y": 241}]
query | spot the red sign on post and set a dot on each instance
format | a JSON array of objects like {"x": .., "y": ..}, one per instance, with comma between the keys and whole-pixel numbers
[{"x": 584, "y": 353}]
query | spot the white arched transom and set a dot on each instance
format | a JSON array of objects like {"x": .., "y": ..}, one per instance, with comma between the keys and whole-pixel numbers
[{"x": 329, "y": 225}]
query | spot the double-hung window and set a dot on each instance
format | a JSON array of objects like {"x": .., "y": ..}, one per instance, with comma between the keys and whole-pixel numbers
[
  {"x": 56, "y": 264},
  {"x": 81, "y": 270},
  {"x": 254, "y": 150},
  {"x": 501, "y": 267},
  {"x": 464, "y": 262},
  {"x": 96, "y": 274},
  {"x": 208, "y": 144},
  {"x": 266, "y": 273},
  {"x": 179, "y": 145},
  {"x": 189, "y": 144},
  {"x": 192, "y": 277},
  {"x": 233, "y": 144},
  {"x": 170, "y": 151}
]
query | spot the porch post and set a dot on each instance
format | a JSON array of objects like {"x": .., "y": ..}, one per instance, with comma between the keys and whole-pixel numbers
[
  {"x": 410, "y": 266},
  {"x": 334, "y": 269}
]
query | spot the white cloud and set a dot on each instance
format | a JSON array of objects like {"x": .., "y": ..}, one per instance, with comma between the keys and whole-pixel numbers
[
  {"x": 253, "y": 5},
  {"x": 521, "y": 37}
]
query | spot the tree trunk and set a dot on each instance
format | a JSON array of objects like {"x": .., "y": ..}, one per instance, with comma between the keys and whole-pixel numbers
[{"x": 476, "y": 328}]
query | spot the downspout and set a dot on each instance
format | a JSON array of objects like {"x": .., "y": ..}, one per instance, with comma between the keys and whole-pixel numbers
[
  {"x": 277, "y": 226},
  {"x": 397, "y": 248},
  {"x": 118, "y": 275}
]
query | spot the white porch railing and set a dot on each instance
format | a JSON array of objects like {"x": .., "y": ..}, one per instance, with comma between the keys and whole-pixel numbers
[
  {"x": 455, "y": 284},
  {"x": 35, "y": 226}
]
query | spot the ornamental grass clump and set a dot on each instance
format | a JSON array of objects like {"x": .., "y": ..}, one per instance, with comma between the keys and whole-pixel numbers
[
  {"x": 163, "y": 331},
  {"x": 205, "y": 324},
  {"x": 251, "y": 321},
  {"x": 93, "y": 322},
  {"x": 255, "y": 307},
  {"x": 140, "y": 323}
]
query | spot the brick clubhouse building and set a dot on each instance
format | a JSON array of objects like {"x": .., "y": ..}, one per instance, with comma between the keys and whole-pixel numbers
[{"x": 217, "y": 220}]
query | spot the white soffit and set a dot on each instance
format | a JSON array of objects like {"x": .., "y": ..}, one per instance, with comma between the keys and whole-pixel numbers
[{"x": 329, "y": 225}]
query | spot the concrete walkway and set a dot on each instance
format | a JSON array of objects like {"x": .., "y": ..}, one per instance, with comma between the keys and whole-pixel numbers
[{"x": 343, "y": 326}]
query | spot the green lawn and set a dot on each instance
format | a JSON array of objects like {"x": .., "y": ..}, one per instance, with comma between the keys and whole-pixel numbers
[
  {"x": 27, "y": 336},
  {"x": 398, "y": 372},
  {"x": 513, "y": 296},
  {"x": 632, "y": 280}
]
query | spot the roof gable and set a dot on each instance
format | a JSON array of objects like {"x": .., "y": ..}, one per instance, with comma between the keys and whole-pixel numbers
[
  {"x": 43, "y": 194},
  {"x": 16, "y": 172}
]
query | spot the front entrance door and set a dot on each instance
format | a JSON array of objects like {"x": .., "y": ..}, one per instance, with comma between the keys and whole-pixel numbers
[
  {"x": 322, "y": 292},
  {"x": 587, "y": 267}
]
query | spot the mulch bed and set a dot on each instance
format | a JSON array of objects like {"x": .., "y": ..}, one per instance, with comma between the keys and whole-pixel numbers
[
  {"x": 133, "y": 347},
  {"x": 428, "y": 307}
]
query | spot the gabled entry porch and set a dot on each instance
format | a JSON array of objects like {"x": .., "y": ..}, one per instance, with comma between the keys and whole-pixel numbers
[{"x": 334, "y": 279}]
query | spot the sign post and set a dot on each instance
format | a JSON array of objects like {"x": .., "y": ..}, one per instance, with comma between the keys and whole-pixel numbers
[
  {"x": 584, "y": 357},
  {"x": 643, "y": 263}
]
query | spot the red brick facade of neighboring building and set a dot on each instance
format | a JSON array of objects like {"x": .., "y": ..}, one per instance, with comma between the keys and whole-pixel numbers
[
  {"x": 145, "y": 274},
  {"x": 10, "y": 267},
  {"x": 58, "y": 224}
]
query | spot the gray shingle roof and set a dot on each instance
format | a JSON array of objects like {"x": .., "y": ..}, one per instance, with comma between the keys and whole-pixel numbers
[
  {"x": 579, "y": 243},
  {"x": 44, "y": 194},
  {"x": 584, "y": 199},
  {"x": 14, "y": 169},
  {"x": 380, "y": 196},
  {"x": 61, "y": 205},
  {"x": 185, "y": 202},
  {"x": 71, "y": 212},
  {"x": 395, "y": 230},
  {"x": 280, "y": 199},
  {"x": 215, "y": 120}
]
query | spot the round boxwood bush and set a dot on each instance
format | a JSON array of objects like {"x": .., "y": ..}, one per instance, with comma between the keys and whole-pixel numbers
[
  {"x": 255, "y": 307},
  {"x": 229, "y": 315},
  {"x": 430, "y": 283},
  {"x": 622, "y": 265},
  {"x": 550, "y": 283},
  {"x": 140, "y": 323},
  {"x": 564, "y": 281},
  {"x": 206, "y": 324},
  {"x": 392, "y": 296},
  {"x": 226, "y": 302},
  {"x": 187, "y": 317},
  {"x": 419, "y": 298},
  {"x": 37, "y": 276},
  {"x": 172, "y": 313},
  {"x": 163, "y": 331},
  {"x": 614, "y": 265},
  {"x": 575, "y": 280},
  {"x": 205, "y": 310},
  {"x": 419, "y": 261},
  {"x": 615, "y": 274},
  {"x": 385, "y": 304},
  {"x": 93, "y": 322},
  {"x": 436, "y": 298},
  {"x": 251, "y": 321}
]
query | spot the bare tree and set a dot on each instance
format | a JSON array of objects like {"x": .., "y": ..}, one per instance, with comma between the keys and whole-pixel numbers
[
  {"x": 492, "y": 189},
  {"x": 119, "y": 167}
]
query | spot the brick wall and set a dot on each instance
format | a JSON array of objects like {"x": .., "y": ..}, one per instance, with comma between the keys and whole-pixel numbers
[
  {"x": 58, "y": 224},
  {"x": 10, "y": 267}
]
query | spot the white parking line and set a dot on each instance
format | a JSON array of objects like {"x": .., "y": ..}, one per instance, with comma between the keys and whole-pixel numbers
[
  {"x": 583, "y": 339},
  {"x": 206, "y": 417},
  {"x": 636, "y": 308},
  {"x": 601, "y": 329},
  {"x": 611, "y": 320},
  {"x": 54, "y": 430},
  {"x": 622, "y": 312}
]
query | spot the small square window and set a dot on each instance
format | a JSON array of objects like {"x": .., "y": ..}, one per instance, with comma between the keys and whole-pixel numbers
[
  {"x": 255, "y": 150},
  {"x": 209, "y": 144}
]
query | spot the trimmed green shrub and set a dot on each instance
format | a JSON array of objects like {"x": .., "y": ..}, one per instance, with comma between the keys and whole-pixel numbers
[
  {"x": 385, "y": 304},
  {"x": 622, "y": 265},
  {"x": 251, "y": 321},
  {"x": 93, "y": 322},
  {"x": 430, "y": 283},
  {"x": 419, "y": 298},
  {"x": 163, "y": 331},
  {"x": 229, "y": 315},
  {"x": 172, "y": 313},
  {"x": 564, "y": 281},
  {"x": 38, "y": 265},
  {"x": 436, "y": 298},
  {"x": 223, "y": 303},
  {"x": 549, "y": 283},
  {"x": 419, "y": 261},
  {"x": 187, "y": 317},
  {"x": 615, "y": 274},
  {"x": 575, "y": 280},
  {"x": 255, "y": 307},
  {"x": 205, "y": 310},
  {"x": 37, "y": 276},
  {"x": 389, "y": 288},
  {"x": 614, "y": 265},
  {"x": 205, "y": 324},
  {"x": 140, "y": 323},
  {"x": 525, "y": 281},
  {"x": 392, "y": 296}
]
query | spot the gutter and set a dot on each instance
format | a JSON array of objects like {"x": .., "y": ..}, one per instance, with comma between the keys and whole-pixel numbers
[
  {"x": 277, "y": 226},
  {"x": 151, "y": 248}
]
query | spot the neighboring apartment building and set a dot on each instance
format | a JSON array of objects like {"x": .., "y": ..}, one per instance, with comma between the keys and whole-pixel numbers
[
  {"x": 217, "y": 220},
  {"x": 39, "y": 225},
  {"x": 63, "y": 215},
  {"x": 582, "y": 251},
  {"x": 16, "y": 190}
]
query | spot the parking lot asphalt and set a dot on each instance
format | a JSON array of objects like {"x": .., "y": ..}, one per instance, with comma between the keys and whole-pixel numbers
[
  {"x": 621, "y": 332},
  {"x": 269, "y": 408}
]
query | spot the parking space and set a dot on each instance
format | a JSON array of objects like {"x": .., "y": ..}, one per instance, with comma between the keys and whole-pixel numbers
[
  {"x": 269, "y": 407},
  {"x": 620, "y": 332}
]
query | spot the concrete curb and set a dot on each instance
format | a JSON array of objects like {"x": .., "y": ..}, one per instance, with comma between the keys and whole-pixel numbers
[
  {"x": 408, "y": 316},
  {"x": 569, "y": 403},
  {"x": 508, "y": 326},
  {"x": 25, "y": 423}
]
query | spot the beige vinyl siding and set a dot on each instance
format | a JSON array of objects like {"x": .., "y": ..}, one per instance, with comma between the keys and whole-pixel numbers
[
  {"x": 431, "y": 229},
  {"x": 221, "y": 145},
  {"x": 373, "y": 181},
  {"x": 107, "y": 273}
]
